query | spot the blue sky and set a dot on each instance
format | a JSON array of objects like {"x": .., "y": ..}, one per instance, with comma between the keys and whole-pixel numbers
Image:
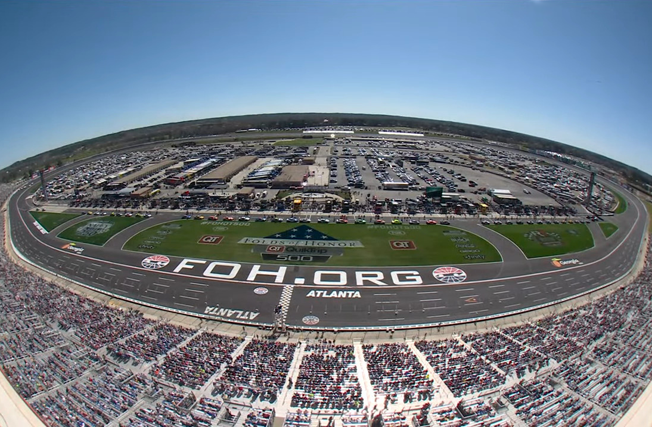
[{"x": 579, "y": 72}]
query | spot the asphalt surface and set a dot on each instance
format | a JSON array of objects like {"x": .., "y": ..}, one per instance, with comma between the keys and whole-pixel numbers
[{"x": 335, "y": 297}]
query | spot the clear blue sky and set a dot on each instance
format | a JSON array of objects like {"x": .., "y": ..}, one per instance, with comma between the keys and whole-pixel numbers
[{"x": 579, "y": 72}]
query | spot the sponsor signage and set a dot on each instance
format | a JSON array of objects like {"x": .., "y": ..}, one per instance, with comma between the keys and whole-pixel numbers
[
  {"x": 72, "y": 248},
  {"x": 279, "y": 274},
  {"x": 398, "y": 245},
  {"x": 558, "y": 262},
  {"x": 209, "y": 239},
  {"x": 155, "y": 262},
  {"x": 302, "y": 235}
]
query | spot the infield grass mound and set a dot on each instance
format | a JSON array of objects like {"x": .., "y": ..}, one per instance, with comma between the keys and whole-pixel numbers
[
  {"x": 379, "y": 245},
  {"x": 622, "y": 203},
  {"x": 542, "y": 240},
  {"x": 97, "y": 231},
  {"x": 608, "y": 228},
  {"x": 51, "y": 220}
]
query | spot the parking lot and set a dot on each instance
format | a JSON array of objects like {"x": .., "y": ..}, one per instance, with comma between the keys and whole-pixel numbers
[{"x": 374, "y": 175}]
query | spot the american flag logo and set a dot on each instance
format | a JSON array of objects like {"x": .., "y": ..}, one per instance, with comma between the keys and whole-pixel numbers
[{"x": 302, "y": 232}]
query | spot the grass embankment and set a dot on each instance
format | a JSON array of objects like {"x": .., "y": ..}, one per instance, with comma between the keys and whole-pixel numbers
[
  {"x": 542, "y": 240},
  {"x": 622, "y": 203},
  {"x": 51, "y": 220},
  {"x": 608, "y": 228},
  {"x": 97, "y": 231}
]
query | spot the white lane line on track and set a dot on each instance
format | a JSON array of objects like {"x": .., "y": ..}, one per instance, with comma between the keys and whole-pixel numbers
[
  {"x": 473, "y": 303},
  {"x": 152, "y": 298},
  {"x": 513, "y": 305},
  {"x": 478, "y": 311},
  {"x": 137, "y": 274},
  {"x": 161, "y": 285},
  {"x": 534, "y": 293},
  {"x": 127, "y": 284},
  {"x": 109, "y": 274},
  {"x": 540, "y": 299},
  {"x": 133, "y": 280},
  {"x": 427, "y": 292},
  {"x": 465, "y": 290},
  {"x": 434, "y": 308},
  {"x": 166, "y": 279},
  {"x": 505, "y": 299},
  {"x": 555, "y": 289},
  {"x": 438, "y": 315},
  {"x": 564, "y": 274},
  {"x": 384, "y": 295},
  {"x": 546, "y": 278},
  {"x": 199, "y": 284},
  {"x": 551, "y": 283},
  {"x": 529, "y": 287},
  {"x": 194, "y": 290},
  {"x": 496, "y": 286},
  {"x": 470, "y": 296},
  {"x": 155, "y": 291},
  {"x": 431, "y": 299},
  {"x": 585, "y": 274},
  {"x": 562, "y": 294},
  {"x": 187, "y": 297},
  {"x": 392, "y": 319},
  {"x": 569, "y": 279},
  {"x": 114, "y": 269},
  {"x": 96, "y": 265},
  {"x": 523, "y": 282},
  {"x": 184, "y": 305},
  {"x": 387, "y": 302},
  {"x": 501, "y": 292}
]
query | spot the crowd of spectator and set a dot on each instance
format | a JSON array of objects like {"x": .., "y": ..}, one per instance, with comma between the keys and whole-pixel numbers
[
  {"x": 67, "y": 355},
  {"x": 609, "y": 389},
  {"x": 539, "y": 403},
  {"x": 394, "y": 368},
  {"x": 508, "y": 355},
  {"x": 147, "y": 346},
  {"x": 260, "y": 418},
  {"x": 462, "y": 370},
  {"x": 261, "y": 368},
  {"x": 194, "y": 363},
  {"x": 328, "y": 379}
]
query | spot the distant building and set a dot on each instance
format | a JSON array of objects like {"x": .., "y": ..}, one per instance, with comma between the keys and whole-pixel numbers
[{"x": 291, "y": 176}]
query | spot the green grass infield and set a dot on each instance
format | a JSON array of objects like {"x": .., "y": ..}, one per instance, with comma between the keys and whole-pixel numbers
[
  {"x": 51, "y": 220},
  {"x": 622, "y": 203},
  {"x": 541, "y": 240},
  {"x": 97, "y": 231},
  {"x": 376, "y": 245},
  {"x": 608, "y": 228}
]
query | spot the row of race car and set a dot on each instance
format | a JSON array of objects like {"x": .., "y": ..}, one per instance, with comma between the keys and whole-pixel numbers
[{"x": 341, "y": 220}]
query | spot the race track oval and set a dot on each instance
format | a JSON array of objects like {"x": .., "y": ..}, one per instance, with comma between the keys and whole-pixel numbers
[{"x": 331, "y": 297}]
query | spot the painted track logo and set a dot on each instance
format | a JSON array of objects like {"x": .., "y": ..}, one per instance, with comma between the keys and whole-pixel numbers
[
  {"x": 155, "y": 262},
  {"x": 449, "y": 274}
]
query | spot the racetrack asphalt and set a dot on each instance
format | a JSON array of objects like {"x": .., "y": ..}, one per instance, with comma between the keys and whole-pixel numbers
[{"x": 335, "y": 297}]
